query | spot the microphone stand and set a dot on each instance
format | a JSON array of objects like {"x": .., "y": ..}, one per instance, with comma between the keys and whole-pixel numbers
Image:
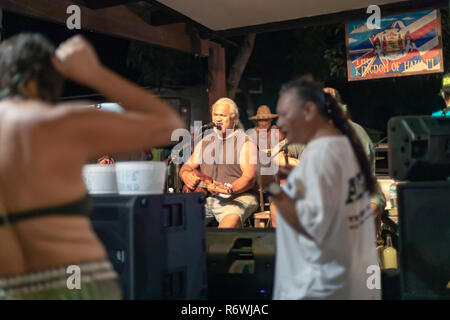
[{"x": 285, "y": 150}]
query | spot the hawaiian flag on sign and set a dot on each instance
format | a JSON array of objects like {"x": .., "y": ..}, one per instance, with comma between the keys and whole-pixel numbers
[{"x": 405, "y": 44}]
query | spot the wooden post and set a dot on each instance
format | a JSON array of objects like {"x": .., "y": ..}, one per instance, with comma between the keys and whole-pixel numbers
[{"x": 216, "y": 64}]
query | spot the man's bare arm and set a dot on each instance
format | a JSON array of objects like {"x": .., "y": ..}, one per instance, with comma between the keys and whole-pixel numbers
[
  {"x": 186, "y": 172},
  {"x": 248, "y": 178}
]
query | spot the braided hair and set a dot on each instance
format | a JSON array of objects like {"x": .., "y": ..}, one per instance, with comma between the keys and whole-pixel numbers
[
  {"x": 329, "y": 109},
  {"x": 24, "y": 57}
]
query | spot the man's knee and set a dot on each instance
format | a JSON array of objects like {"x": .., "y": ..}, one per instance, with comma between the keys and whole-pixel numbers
[{"x": 231, "y": 221}]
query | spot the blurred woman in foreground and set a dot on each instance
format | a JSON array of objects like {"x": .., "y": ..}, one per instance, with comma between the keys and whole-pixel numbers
[
  {"x": 325, "y": 237},
  {"x": 44, "y": 205}
]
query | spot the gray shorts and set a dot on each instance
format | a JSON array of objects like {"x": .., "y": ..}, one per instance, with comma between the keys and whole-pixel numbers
[{"x": 243, "y": 205}]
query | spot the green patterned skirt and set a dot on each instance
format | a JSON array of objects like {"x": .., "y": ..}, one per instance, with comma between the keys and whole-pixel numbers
[{"x": 85, "y": 281}]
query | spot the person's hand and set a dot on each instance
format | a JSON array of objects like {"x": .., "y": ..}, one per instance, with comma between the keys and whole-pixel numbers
[
  {"x": 190, "y": 179},
  {"x": 217, "y": 188},
  {"x": 77, "y": 60},
  {"x": 284, "y": 171}
]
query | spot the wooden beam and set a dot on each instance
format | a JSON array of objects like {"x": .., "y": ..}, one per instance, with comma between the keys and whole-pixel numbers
[
  {"x": 99, "y": 4},
  {"x": 160, "y": 18},
  {"x": 216, "y": 65},
  {"x": 117, "y": 21}
]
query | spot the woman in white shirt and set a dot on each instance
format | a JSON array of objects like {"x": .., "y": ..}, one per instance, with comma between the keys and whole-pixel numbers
[{"x": 325, "y": 235}]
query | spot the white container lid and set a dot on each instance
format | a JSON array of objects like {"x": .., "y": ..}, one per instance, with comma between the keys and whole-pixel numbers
[
  {"x": 100, "y": 179},
  {"x": 141, "y": 177}
]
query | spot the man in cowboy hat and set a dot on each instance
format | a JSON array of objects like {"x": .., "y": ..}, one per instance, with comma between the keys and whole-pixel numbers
[
  {"x": 262, "y": 133},
  {"x": 270, "y": 140},
  {"x": 264, "y": 117}
]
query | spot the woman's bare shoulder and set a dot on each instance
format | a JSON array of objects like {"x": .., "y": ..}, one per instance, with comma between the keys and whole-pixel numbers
[
  {"x": 19, "y": 106},
  {"x": 39, "y": 120},
  {"x": 20, "y": 114}
]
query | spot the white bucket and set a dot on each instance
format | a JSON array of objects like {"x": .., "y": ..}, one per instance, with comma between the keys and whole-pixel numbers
[
  {"x": 141, "y": 177},
  {"x": 100, "y": 179}
]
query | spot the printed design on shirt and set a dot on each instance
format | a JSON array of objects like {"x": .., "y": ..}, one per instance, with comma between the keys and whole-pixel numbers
[
  {"x": 356, "y": 188},
  {"x": 295, "y": 188},
  {"x": 300, "y": 189},
  {"x": 289, "y": 186},
  {"x": 359, "y": 219}
]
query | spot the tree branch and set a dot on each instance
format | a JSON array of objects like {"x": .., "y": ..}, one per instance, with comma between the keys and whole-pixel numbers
[{"x": 239, "y": 64}]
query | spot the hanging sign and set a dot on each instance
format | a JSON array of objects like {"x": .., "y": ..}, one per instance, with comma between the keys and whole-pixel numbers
[{"x": 406, "y": 44}]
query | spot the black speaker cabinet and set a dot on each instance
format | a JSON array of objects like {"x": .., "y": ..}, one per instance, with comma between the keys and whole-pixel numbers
[
  {"x": 419, "y": 148},
  {"x": 424, "y": 246},
  {"x": 240, "y": 263},
  {"x": 156, "y": 243}
]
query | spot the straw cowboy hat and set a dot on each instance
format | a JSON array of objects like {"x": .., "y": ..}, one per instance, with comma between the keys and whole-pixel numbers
[{"x": 263, "y": 113}]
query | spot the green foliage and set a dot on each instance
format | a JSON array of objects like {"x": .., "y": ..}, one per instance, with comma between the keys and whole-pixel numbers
[
  {"x": 337, "y": 62},
  {"x": 321, "y": 50}
]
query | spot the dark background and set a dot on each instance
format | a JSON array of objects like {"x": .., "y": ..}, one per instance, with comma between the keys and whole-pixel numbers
[
  {"x": 277, "y": 58},
  {"x": 112, "y": 51}
]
